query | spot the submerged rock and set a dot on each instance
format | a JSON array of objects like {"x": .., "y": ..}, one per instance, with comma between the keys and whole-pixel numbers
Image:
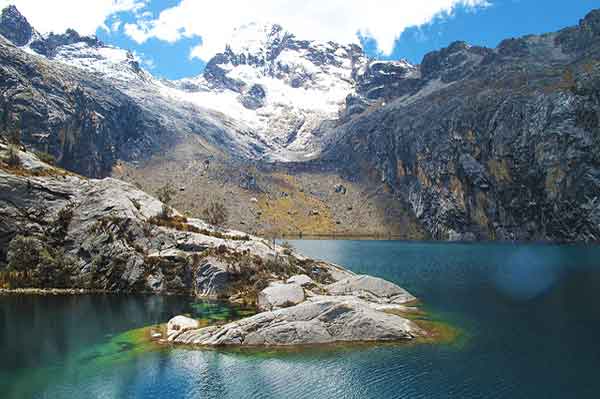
[{"x": 354, "y": 309}]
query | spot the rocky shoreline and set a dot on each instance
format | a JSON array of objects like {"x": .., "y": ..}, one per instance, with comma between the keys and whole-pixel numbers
[
  {"x": 353, "y": 309},
  {"x": 65, "y": 234},
  {"x": 51, "y": 291}
]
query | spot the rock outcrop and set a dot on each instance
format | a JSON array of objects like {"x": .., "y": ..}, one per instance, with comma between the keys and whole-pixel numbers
[
  {"x": 482, "y": 143},
  {"x": 371, "y": 289},
  {"x": 180, "y": 324},
  {"x": 320, "y": 320},
  {"x": 278, "y": 295},
  {"x": 302, "y": 280},
  {"x": 60, "y": 230},
  {"x": 108, "y": 235}
]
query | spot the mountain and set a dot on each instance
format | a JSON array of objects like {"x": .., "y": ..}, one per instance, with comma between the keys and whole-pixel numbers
[
  {"x": 91, "y": 104},
  {"x": 283, "y": 88},
  {"x": 485, "y": 143},
  {"x": 269, "y": 91},
  {"x": 312, "y": 137},
  {"x": 62, "y": 233}
]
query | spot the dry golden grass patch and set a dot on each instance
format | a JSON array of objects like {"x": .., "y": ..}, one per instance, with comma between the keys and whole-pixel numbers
[{"x": 295, "y": 212}]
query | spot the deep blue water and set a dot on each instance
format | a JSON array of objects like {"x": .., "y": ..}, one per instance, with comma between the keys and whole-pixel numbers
[{"x": 528, "y": 314}]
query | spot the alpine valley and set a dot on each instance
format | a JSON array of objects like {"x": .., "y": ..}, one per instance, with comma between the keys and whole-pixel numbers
[{"x": 315, "y": 138}]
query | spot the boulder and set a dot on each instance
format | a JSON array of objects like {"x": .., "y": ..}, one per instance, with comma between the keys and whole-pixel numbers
[
  {"x": 301, "y": 280},
  {"x": 278, "y": 295},
  {"x": 372, "y": 289},
  {"x": 321, "y": 322},
  {"x": 179, "y": 324},
  {"x": 211, "y": 278}
]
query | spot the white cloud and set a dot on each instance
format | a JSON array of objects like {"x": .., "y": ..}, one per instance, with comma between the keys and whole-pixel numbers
[
  {"x": 338, "y": 20},
  {"x": 145, "y": 61},
  {"x": 85, "y": 16},
  {"x": 115, "y": 25}
]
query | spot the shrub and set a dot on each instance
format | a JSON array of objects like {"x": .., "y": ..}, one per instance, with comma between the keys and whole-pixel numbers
[
  {"x": 166, "y": 211},
  {"x": 288, "y": 248},
  {"x": 13, "y": 160},
  {"x": 24, "y": 253},
  {"x": 280, "y": 267},
  {"x": 45, "y": 157},
  {"x": 215, "y": 213},
  {"x": 54, "y": 270},
  {"x": 31, "y": 262},
  {"x": 63, "y": 220},
  {"x": 165, "y": 195}
]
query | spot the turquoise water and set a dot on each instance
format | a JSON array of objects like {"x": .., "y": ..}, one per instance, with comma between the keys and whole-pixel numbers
[{"x": 528, "y": 315}]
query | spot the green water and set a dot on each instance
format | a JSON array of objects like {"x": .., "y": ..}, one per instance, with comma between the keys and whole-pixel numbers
[{"x": 527, "y": 313}]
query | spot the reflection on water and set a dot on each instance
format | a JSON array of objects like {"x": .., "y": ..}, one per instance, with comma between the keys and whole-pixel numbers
[{"x": 528, "y": 312}]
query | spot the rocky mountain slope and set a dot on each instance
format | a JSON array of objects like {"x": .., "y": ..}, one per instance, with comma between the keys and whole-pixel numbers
[
  {"x": 265, "y": 97},
  {"x": 60, "y": 230},
  {"x": 283, "y": 88},
  {"x": 109, "y": 235},
  {"x": 489, "y": 143},
  {"x": 307, "y": 137},
  {"x": 90, "y": 104}
]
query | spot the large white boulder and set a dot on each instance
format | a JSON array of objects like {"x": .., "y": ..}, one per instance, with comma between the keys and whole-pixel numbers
[
  {"x": 300, "y": 279},
  {"x": 372, "y": 289},
  {"x": 179, "y": 324},
  {"x": 278, "y": 295}
]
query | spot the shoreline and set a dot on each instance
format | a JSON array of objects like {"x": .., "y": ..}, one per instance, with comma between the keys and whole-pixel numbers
[
  {"x": 51, "y": 291},
  {"x": 78, "y": 291},
  {"x": 363, "y": 237}
]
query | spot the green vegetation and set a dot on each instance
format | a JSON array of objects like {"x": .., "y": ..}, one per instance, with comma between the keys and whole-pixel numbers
[
  {"x": 34, "y": 263},
  {"x": 181, "y": 223},
  {"x": 39, "y": 260},
  {"x": 165, "y": 195},
  {"x": 12, "y": 159},
  {"x": 45, "y": 157},
  {"x": 216, "y": 213}
]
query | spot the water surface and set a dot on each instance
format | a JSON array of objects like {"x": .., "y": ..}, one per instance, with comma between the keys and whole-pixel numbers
[{"x": 528, "y": 315}]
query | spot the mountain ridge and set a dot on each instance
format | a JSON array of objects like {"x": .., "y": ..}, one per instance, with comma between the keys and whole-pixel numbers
[{"x": 451, "y": 141}]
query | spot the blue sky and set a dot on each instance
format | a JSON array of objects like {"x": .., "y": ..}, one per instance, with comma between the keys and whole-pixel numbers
[
  {"x": 490, "y": 25},
  {"x": 175, "y": 38}
]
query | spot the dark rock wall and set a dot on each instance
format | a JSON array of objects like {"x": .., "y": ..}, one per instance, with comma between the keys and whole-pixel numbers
[{"x": 508, "y": 149}]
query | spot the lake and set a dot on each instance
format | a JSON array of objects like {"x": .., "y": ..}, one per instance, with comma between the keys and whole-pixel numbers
[{"x": 527, "y": 314}]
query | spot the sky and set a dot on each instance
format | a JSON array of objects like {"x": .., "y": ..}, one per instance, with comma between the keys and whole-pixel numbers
[{"x": 175, "y": 38}]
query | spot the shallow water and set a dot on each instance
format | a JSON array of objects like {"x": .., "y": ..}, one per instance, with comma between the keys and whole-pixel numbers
[{"x": 527, "y": 314}]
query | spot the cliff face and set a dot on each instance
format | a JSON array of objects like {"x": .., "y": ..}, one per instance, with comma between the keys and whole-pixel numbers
[
  {"x": 85, "y": 122},
  {"x": 60, "y": 230},
  {"x": 491, "y": 144}
]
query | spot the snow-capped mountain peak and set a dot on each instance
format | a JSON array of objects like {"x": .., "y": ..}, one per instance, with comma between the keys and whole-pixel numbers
[
  {"x": 279, "y": 86},
  {"x": 275, "y": 94},
  {"x": 256, "y": 40},
  {"x": 85, "y": 52}
]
